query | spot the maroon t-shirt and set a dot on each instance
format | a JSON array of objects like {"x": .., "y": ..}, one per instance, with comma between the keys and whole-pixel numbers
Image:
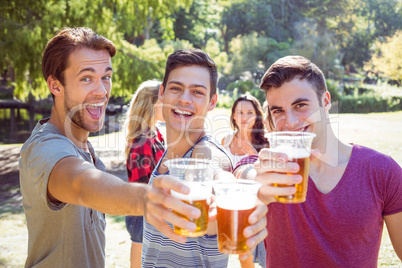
[{"x": 342, "y": 228}]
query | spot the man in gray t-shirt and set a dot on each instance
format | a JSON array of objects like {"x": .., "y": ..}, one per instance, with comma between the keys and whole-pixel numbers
[
  {"x": 52, "y": 223},
  {"x": 64, "y": 187}
]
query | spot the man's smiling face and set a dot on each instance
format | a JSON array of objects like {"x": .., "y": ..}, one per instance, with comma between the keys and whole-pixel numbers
[
  {"x": 87, "y": 87},
  {"x": 186, "y": 99},
  {"x": 294, "y": 106}
]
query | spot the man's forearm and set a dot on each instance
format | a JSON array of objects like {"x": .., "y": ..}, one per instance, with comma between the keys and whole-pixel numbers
[
  {"x": 74, "y": 181},
  {"x": 109, "y": 194}
]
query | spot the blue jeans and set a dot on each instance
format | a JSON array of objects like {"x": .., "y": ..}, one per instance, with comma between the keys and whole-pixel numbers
[{"x": 134, "y": 225}]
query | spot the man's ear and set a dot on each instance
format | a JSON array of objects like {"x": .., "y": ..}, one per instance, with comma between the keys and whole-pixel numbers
[
  {"x": 213, "y": 102},
  {"x": 55, "y": 87},
  {"x": 327, "y": 101},
  {"x": 160, "y": 93}
]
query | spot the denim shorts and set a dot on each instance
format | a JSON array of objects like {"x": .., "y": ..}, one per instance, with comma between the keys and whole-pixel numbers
[
  {"x": 260, "y": 254},
  {"x": 134, "y": 228}
]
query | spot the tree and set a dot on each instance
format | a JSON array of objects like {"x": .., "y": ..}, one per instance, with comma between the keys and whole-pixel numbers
[
  {"x": 363, "y": 23},
  {"x": 219, "y": 57},
  {"x": 235, "y": 21},
  {"x": 320, "y": 48},
  {"x": 27, "y": 25},
  {"x": 196, "y": 23},
  {"x": 250, "y": 51},
  {"x": 387, "y": 60}
]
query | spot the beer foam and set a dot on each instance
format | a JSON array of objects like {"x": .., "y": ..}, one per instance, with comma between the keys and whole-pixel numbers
[
  {"x": 292, "y": 153},
  {"x": 197, "y": 192},
  {"x": 236, "y": 202}
]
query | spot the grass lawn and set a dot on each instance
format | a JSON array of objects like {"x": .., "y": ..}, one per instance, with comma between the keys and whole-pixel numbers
[{"x": 381, "y": 131}]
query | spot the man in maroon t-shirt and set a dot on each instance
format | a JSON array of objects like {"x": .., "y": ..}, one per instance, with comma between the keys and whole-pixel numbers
[{"x": 352, "y": 190}]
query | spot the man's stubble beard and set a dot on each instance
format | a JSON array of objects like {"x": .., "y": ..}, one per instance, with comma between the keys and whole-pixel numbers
[{"x": 75, "y": 114}]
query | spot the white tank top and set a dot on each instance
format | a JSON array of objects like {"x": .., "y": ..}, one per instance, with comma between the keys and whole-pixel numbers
[{"x": 226, "y": 144}]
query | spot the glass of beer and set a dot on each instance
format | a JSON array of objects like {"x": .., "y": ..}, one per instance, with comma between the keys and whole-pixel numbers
[
  {"x": 235, "y": 200},
  {"x": 197, "y": 174},
  {"x": 297, "y": 146}
]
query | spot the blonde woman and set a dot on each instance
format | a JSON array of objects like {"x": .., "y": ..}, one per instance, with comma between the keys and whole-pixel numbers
[{"x": 144, "y": 148}]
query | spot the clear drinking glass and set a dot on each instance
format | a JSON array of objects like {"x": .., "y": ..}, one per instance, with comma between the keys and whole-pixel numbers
[
  {"x": 297, "y": 146},
  {"x": 236, "y": 200},
  {"x": 197, "y": 174}
]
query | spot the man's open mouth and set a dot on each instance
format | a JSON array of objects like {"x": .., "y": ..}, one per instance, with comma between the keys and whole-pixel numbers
[
  {"x": 182, "y": 113},
  {"x": 95, "y": 109}
]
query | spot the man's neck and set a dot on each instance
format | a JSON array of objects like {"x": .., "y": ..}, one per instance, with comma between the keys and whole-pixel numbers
[
  {"x": 332, "y": 152},
  {"x": 179, "y": 144},
  {"x": 70, "y": 130},
  {"x": 328, "y": 166}
]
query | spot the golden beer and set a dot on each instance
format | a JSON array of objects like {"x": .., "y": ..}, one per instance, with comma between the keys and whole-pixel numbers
[
  {"x": 235, "y": 200},
  {"x": 301, "y": 188},
  {"x": 199, "y": 197},
  {"x": 297, "y": 146},
  {"x": 231, "y": 224},
  {"x": 201, "y": 222}
]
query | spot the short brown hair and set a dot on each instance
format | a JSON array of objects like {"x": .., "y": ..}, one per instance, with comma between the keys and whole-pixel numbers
[
  {"x": 288, "y": 68},
  {"x": 60, "y": 47},
  {"x": 188, "y": 57}
]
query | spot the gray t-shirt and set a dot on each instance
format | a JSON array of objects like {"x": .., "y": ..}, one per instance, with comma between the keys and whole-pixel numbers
[{"x": 59, "y": 235}]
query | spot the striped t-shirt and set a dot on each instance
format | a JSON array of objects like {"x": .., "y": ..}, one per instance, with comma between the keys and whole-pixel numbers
[{"x": 160, "y": 251}]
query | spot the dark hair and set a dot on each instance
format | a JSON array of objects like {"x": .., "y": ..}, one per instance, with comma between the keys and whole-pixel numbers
[
  {"x": 257, "y": 135},
  {"x": 60, "y": 47},
  {"x": 291, "y": 67},
  {"x": 188, "y": 57}
]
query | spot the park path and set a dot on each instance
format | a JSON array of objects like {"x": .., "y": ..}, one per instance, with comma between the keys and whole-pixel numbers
[{"x": 108, "y": 147}]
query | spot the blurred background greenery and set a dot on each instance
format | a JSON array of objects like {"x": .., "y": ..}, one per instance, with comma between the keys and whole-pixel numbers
[{"x": 355, "y": 42}]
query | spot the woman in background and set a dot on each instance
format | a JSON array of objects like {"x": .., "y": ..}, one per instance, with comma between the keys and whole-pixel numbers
[
  {"x": 247, "y": 120},
  {"x": 144, "y": 148},
  {"x": 248, "y": 136}
]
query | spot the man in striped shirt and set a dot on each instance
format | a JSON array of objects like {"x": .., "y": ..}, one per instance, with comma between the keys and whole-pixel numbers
[{"x": 188, "y": 92}]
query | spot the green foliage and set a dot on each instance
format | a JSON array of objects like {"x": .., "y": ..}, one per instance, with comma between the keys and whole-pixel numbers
[
  {"x": 173, "y": 45},
  {"x": 356, "y": 90},
  {"x": 227, "y": 98},
  {"x": 357, "y": 50},
  {"x": 248, "y": 52},
  {"x": 333, "y": 88},
  {"x": 375, "y": 20},
  {"x": 27, "y": 25},
  {"x": 384, "y": 89},
  {"x": 387, "y": 60},
  {"x": 385, "y": 16},
  {"x": 225, "y": 101},
  {"x": 369, "y": 104},
  {"x": 260, "y": 95},
  {"x": 320, "y": 49},
  {"x": 220, "y": 58},
  {"x": 269, "y": 18},
  {"x": 370, "y": 98},
  {"x": 235, "y": 21},
  {"x": 244, "y": 37},
  {"x": 235, "y": 93},
  {"x": 135, "y": 65},
  {"x": 195, "y": 23},
  {"x": 241, "y": 86}
]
